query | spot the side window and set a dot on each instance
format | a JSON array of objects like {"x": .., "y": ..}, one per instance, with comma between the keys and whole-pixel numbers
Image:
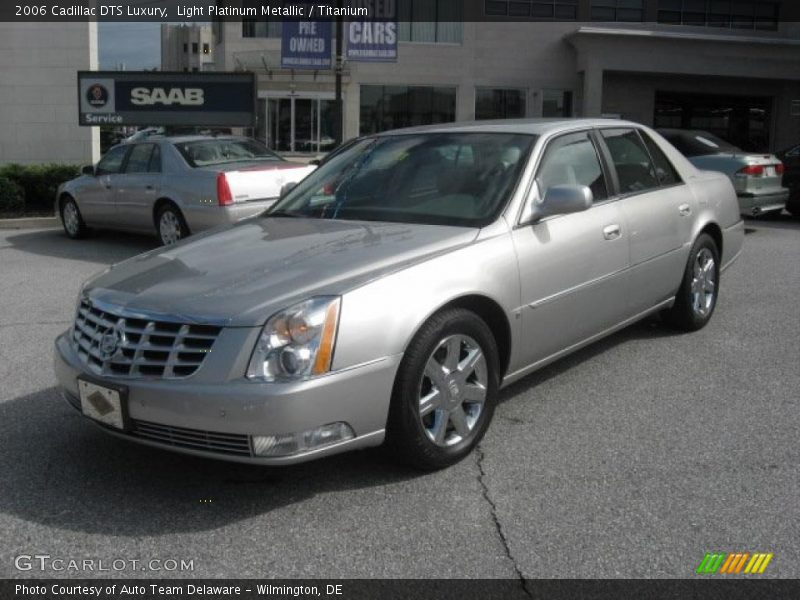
[
  {"x": 666, "y": 173},
  {"x": 112, "y": 161},
  {"x": 635, "y": 170},
  {"x": 572, "y": 160},
  {"x": 155, "y": 160},
  {"x": 139, "y": 159}
]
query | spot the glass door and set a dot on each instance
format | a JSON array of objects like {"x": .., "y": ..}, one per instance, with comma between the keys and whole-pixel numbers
[{"x": 300, "y": 124}]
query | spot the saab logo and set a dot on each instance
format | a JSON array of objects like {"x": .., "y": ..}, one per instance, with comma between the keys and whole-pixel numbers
[
  {"x": 732, "y": 563},
  {"x": 97, "y": 96},
  {"x": 142, "y": 96}
]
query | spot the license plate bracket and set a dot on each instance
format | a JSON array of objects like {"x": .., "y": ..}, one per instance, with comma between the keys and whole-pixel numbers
[{"x": 105, "y": 403}]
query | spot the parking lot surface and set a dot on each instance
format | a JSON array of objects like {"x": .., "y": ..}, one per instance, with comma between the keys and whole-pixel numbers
[{"x": 631, "y": 458}]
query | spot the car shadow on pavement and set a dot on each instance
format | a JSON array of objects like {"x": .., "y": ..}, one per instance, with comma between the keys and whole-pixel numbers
[
  {"x": 102, "y": 247},
  {"x": 60, "y": 470},
  {"x": 648, "y": 328},
  {"x": 773, "y": 221}
]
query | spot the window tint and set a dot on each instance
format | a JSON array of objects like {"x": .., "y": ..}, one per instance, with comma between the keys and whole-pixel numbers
[
  {"x": 139, "y": 159},
  {"x": 155, "y": 160},
  {"x": 112, "y": 161},
  {"x": 666, "y": 173},
  {"x": 631, "y": 160},
  {"x": 572, "y": 160}
]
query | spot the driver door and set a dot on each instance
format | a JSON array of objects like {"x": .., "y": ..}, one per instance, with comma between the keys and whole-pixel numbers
[{"x": 573, "y": 267}]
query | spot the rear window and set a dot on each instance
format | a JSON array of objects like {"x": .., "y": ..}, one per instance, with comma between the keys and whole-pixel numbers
[
  {"x": 203, "y": 153},
  {"x": 699, "y": 143}
]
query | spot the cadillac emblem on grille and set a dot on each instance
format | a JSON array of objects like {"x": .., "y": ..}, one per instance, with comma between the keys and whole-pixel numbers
[{"x": 111, "y": 342}]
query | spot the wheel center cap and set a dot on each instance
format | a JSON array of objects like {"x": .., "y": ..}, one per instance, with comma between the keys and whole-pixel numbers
[{"x": 455, "y": 391}]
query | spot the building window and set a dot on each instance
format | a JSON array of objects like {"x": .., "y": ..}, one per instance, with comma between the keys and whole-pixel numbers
[
  {"x": 185, "y": 48},
  {"x": 252, "y": 28},
  {"x": 499, "y": 103},
  {"x": 557, "y": 10},
  {"x": 556, "y": 103},
  {"x": 206, "y": 48},
  {"x": 618, "y": 10},
  {"x": 194, "y": 47},
  {"x": 430, "y": 21},
  {"x": 736, "y": 14},
  {"x": 385, "y": 107}
]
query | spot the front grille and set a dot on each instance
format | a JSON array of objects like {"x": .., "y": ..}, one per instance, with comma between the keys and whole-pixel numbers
[
  {"x": 117, "y": 345},
  {"x": 193, "y": 439}
]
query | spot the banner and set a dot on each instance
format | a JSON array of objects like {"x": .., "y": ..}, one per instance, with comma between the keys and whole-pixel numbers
[
  {"x": 374, "y": 40},
  {"x": 306, "y": 45}
]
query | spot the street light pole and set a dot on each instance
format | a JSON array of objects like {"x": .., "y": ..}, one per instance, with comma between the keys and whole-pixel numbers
[{"x": 338, "y": 108}]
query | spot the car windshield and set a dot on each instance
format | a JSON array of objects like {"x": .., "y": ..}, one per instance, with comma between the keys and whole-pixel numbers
[
  {"x": 214, "y": 152},
  {"x": 431, "y": 178}
]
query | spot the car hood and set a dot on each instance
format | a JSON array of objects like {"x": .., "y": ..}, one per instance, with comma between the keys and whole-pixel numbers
[{"x": 243, "y": 274}]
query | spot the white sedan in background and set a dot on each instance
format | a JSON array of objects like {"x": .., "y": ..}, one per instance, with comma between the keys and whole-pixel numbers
[{"x": 176, "y": 186}]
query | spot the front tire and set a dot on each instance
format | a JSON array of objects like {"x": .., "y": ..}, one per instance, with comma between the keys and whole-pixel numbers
[
  {"x": 445, "y": 392},
  {"x": 171, "y": 227},
  {"x": 71, "y": 219},
  {"x": 697, "y": 296}
]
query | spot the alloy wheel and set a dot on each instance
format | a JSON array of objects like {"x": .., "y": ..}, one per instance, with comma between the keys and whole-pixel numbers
[
  {"x": 71, "y": 218},
  {"x": 169, "y": 227},
  {"x": 704, "y": 283},
  {"x": 452, "y": 392}
]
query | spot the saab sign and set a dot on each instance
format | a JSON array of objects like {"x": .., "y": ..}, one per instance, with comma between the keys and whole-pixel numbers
[{"x": 159, "y": 98}]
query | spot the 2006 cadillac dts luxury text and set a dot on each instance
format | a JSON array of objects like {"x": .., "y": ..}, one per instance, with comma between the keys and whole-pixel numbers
[{"x": 392, "y": 292}]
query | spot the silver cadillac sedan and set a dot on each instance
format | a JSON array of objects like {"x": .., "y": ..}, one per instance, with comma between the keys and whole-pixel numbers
[{"x": 392, "y": 293}]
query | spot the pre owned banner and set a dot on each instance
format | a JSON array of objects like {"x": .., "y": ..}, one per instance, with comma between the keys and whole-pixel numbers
[
  {"x": 161, "y": 98},
  {"x": 306, "y": 45}
]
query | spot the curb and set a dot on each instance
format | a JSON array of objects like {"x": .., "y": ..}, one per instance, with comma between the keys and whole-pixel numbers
[{"x": 29, "y": 223}]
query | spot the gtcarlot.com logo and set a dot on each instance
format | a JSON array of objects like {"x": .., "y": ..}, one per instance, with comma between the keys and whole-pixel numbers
[
  {"x": 46, "y": 562},
  {"x": 734, "y": 563}
]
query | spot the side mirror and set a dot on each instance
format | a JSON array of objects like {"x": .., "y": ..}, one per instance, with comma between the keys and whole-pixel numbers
[
  {"x": 564, "y": 199},
  {"x": 288, "y": 187},
  {"x": 88, "y": 170}
]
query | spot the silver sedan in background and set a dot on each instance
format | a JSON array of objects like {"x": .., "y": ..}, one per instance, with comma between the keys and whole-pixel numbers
[
  {"x": 175, "y": 186},
  {"x": 393, "y": 292},
  {"x": 756, "y": 177}
]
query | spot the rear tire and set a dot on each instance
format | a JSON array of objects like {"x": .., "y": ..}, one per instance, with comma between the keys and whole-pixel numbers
[
  {"x": 71, "y": 219},
  {"x": 445, "y": 392},
  {"x": 171, "y": 227},
  {"x": 697, "y": 296}
]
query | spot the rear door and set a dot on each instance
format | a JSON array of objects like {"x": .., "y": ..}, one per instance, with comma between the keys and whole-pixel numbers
[
  {"x": 657, "y": 207},
  {"x": 98, "y": 200},
  {"x": 139, "y": 186},
  {"x": 573, "y": 267}
]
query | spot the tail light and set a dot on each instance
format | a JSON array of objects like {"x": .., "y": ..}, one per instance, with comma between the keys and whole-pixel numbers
[
  {"x": 751, "y": 171},
  {"x": 224, "y": 196},
  {"x": 780, "y": 169}
]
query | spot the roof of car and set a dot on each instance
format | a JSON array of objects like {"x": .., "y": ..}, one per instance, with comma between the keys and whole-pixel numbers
[
  {"x": 179, "y": 139},
  {"x": 524, "y": 126}
]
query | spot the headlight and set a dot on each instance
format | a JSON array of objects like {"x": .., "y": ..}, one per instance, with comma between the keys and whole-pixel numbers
[{"x": 297, "y": 343}]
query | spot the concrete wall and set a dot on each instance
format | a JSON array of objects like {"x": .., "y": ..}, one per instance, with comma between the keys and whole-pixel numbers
[
  {"x": 173, "y": 56},
  {"x": 38, "y": 92}
]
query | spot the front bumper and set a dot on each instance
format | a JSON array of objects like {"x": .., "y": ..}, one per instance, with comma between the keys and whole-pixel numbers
[
  {"x": 186, "y": 411},
  {"x": 754, "y": 204}
]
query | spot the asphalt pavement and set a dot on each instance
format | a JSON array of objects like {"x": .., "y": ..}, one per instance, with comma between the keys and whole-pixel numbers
[{"x": 631, "y": 458}]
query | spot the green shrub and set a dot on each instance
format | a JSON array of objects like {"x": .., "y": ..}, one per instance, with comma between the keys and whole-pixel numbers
[
  {"x": 39, "y": 183},
  {"x": 12, "y": 200}
]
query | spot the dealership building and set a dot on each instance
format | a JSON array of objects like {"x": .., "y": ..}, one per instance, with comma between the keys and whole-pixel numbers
[
  {"x": 729, "y": 67},
  {"x": 38, "y": 98}
]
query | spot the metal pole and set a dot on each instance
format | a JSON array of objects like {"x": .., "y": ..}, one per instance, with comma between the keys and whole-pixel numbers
[{"x": 338, "y": 107}]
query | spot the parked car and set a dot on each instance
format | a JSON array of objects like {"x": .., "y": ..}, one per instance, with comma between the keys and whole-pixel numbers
[
  {"x": 176, "y": 186},
  {"x": 391, "y": 293},
  {"x": 791, "y": 177},
  {"x": 756, "y": 177}
]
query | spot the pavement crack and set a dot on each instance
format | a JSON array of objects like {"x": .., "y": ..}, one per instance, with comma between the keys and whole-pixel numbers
[{"x": 498, "y": 527}]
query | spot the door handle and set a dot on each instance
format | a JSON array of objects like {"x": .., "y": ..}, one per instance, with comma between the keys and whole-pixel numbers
[
  {"x": 685, "y": 210},
  {"x": 149, "y": 187},
  {"x": 612, "y": 232}
]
